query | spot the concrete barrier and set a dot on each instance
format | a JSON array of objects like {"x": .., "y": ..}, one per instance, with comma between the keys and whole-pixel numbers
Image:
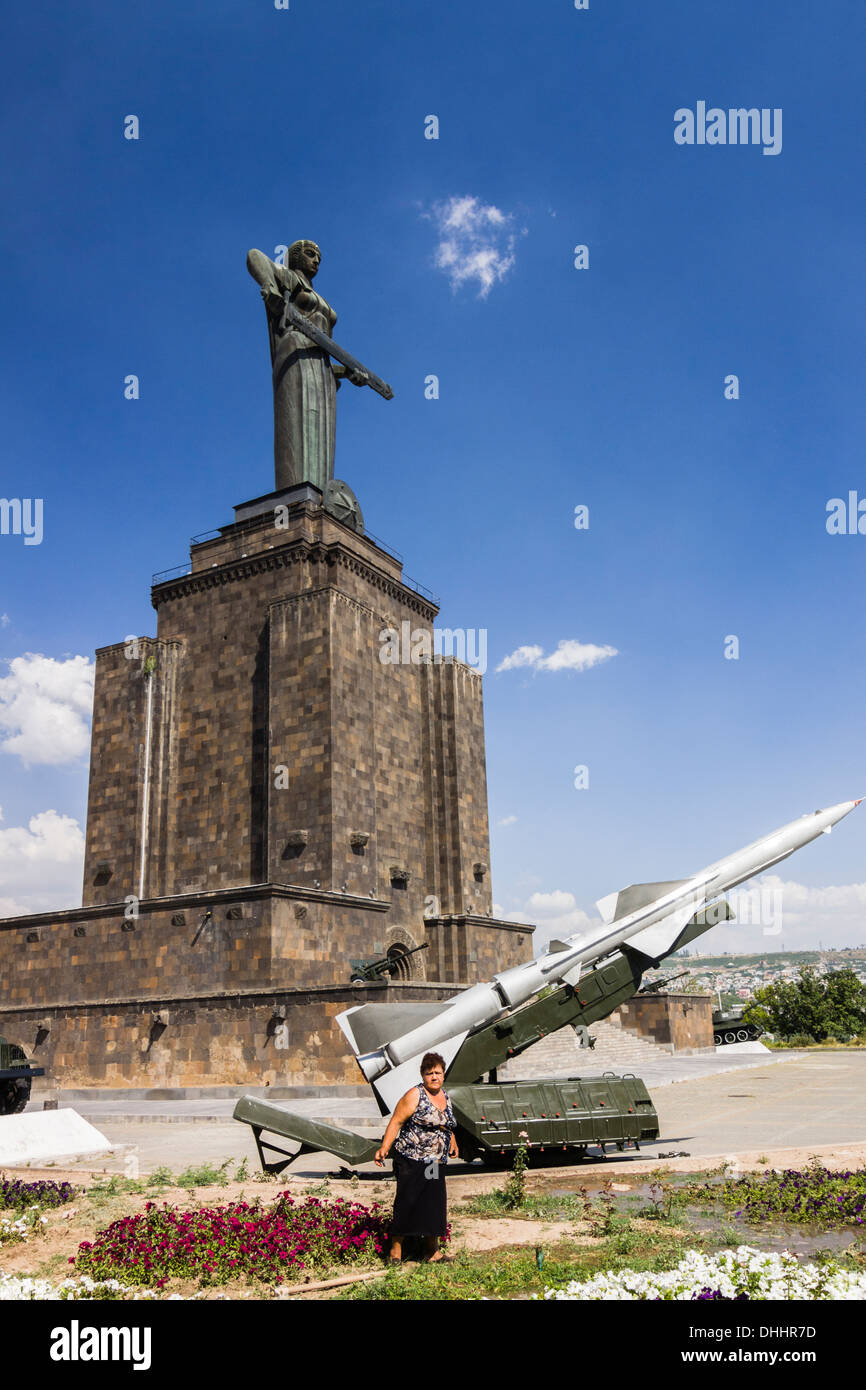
[{"x": 48, "y": 1135}]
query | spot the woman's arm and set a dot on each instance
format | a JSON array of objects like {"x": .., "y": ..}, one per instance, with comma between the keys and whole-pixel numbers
[{"x": 404, "y": 1110}]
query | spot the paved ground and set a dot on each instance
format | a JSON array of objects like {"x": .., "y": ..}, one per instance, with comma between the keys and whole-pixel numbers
[
  {"x": 813, "y": 1099},
  {"x": 362, "y": 1110},
  {"x": 724, "y": 1105}
]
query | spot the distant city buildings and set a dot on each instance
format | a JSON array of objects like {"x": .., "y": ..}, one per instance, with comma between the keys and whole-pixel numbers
[{"x": 739, "y": 976}]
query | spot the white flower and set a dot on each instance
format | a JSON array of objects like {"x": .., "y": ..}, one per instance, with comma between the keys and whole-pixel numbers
[{"x": 760, "y": 1274}]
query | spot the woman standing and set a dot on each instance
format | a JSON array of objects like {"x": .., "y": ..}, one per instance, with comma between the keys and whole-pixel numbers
[{"x": 421, "y": 1131}]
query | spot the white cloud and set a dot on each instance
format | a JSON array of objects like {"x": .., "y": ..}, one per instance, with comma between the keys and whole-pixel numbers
[
  {"x": 45, "y": 707},
  {"x": 551, "y": 904},
  {"x": 41, "y": 864},
  {"x": 555, "y": 914},
  {"x": 773, "y": 911},
  {"x": 476, "y": 242},
  {"x": 5, "y": 620},
  {"x": 507, "y": 820},
  {"x": 570, "y": 655}
]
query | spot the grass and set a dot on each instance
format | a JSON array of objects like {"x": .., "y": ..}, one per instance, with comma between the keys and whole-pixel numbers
[
  {"x": 544, "y": 1207},
  {"x": 602, "y": 1214},
  {"x": 516, "y": 1273}
]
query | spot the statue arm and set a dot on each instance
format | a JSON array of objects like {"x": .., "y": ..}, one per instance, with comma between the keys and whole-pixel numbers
[{"x": 272, "y": 278}]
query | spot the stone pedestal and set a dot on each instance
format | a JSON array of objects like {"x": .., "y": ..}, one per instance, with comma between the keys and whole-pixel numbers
[
  {"x": 682, "y": 1022},
  {"x": 268, "y": 801}
]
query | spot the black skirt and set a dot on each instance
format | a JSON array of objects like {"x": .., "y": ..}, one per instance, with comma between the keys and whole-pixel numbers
[{"x": 419, "y": 1206}]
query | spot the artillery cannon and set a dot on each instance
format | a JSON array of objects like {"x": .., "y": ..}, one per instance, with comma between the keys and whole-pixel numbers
[
  {"x": 16, "y": 1078},
  {"x": 369, "y": 972}
]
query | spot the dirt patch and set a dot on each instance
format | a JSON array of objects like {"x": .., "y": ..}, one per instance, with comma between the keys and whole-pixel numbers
[{"x": 474, "y": 1234}]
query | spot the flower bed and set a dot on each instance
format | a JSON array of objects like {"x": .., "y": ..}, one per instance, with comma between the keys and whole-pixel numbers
[
  {"x": 18, "y": 1196},
  {"x": 821, "y": 1195},
  {"x": 22, "y": 1288},
  {"x": 286, "y": 1240},
  {"x": 744, "y": 1273},
  {"x": 17, "y": 1228}
]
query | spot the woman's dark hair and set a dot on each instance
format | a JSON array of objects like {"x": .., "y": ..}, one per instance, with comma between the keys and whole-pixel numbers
[{"x": 431, "y": 1060}]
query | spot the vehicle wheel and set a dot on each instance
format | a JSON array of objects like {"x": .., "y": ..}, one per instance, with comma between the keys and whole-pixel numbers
[
  {"x": 718, "y": 1039},
  {"x": 730, "y": 1037},
  {"x": 743, "y": 1035}
]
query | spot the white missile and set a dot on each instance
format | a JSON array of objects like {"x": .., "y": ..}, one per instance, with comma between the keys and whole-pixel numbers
[{"x": 647, "y": 918}]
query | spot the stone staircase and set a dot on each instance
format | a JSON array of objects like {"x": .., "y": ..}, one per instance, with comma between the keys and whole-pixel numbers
[{"x": 560, "y": 1054}]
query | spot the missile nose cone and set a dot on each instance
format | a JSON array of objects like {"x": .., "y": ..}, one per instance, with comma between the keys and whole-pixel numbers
[{"x": 844, "y": 808}]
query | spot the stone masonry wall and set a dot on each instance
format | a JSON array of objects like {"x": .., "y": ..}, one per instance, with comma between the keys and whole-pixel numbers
[
  {"x": 282, "y": 748},
  {"x": 277, "y": 1039},
  {"x": 683, "y": 1022}
]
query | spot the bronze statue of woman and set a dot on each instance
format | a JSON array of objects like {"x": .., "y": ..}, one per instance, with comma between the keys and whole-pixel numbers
[{"x": 305, "y": 379}]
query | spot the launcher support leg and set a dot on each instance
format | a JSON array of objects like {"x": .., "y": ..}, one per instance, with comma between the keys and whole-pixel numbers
[{"x": 262, "y": 1144}]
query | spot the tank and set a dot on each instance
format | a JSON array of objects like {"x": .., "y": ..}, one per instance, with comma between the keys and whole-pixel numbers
[
  {"x": 729, "y": 1026},
  {"x": 16, "y": 1077}
]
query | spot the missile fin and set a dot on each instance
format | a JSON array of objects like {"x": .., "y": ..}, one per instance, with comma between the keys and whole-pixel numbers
[
  {"x": 607, "y": 907},
  {"x": 636, "y": 896},
  {"x": 346, "y": 1027},
  {"x": 555, "y": 946},
  {"x": 368, "y": 1026},
  {"x": 660, "y": 939}
]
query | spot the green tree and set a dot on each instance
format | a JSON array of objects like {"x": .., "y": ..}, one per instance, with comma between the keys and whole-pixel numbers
[{"x": 821, "y": 1006}]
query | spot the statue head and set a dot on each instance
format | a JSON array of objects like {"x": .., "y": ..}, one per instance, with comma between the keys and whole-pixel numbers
[{"x": 304, "y": 256}]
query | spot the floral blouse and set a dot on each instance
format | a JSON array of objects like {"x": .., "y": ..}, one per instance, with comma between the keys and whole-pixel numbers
[{"x": 426, "y": 1135}]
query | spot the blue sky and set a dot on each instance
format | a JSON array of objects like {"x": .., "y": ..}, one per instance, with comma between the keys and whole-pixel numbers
[{"x": 558, "y": 387}]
